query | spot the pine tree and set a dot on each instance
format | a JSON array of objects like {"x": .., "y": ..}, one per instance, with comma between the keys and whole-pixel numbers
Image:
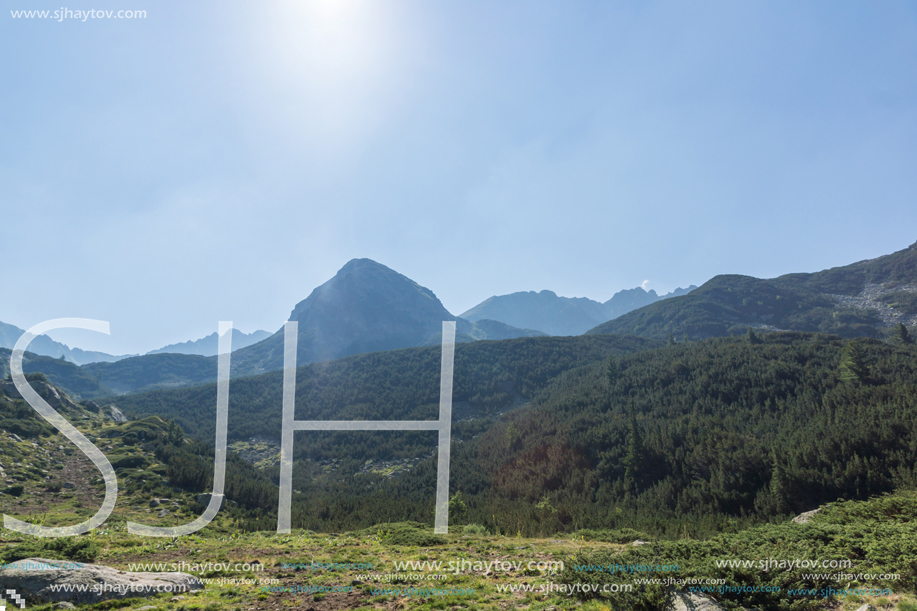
[
  {"x": 778, "y": 488},
  {"x": 753, "y": 337},
  {"x": 458, "y": 511},
  {"x": 634, "y": 456},
  {"x": 671, "y": 341},
  {"x": 902, "y": 336},
  {"x": 612, "y": 370},
  {"x": 853, "y": 368}
]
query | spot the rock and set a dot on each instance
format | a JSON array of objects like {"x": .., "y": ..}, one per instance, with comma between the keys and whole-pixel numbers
[
  {"x": 64, "y": 605},
  {"x": 867, "y": 607},
  {"x": 34, "y": 579},
  {"x": 69, "y": 485},
  {"x": 639, "y": 542},
  {"x": 154, "y": 503},
  {"x": 15, "y": 437},
  {"x": 92, "y": 406},
  {"x": 147, "y": 608},
  {"x": 116, "y": 414},
  {"x": 805, "y": 517},
  {"x": 163, "y": 513},
  {"x": 690, "y": 601}
]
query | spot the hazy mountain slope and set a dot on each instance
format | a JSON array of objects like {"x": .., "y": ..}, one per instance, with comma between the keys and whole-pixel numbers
[
  {"x": 209, "y": 346},
  {"x": 555, "y": 315},
  {"x": 851, "y": 301},
  {"x": 76, "y": 381},
  {"x": 544, "y": 311},
  {"x": 624, "y": 301},
  {"x": 45, "y": 346},
  {"x": 153, "y": 371},
  {"x": 897, "y": 268}
]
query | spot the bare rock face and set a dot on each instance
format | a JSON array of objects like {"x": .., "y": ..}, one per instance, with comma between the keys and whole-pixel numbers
[
  {"x": 48, "y": 581},
  {"x": 116, "y": 414},
  {"x": 690, "y": 601},
  {"x": 805, "y": 517}
]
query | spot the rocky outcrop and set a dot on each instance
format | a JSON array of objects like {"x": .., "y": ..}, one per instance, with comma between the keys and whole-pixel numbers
[
  {"x": 870, "y": 299},
  {"x": 116, "y": 414},
  {"x": 39, "y": 580},
  {"x": 54, "y": 397},
  {"x": 690, "y": 601},
  {"x": 805, "y": 517}
]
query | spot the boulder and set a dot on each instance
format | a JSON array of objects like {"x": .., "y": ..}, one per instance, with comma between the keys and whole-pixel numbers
[
  {"x": 116, "y": 414},
  {"x": 691, "y": 601},
  {"x": 40, "y": 580}
]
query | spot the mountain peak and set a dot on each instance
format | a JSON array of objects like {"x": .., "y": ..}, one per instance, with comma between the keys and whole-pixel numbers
[{"x": 381, "y": 292}]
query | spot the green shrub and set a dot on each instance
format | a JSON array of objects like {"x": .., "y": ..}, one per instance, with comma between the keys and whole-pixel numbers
[
  {"x": 405, "y": 533},
  {"x": 77, "y": 549},
  {"x": 474, "y": 529},
  {"x": 16, "y": 490},
  {"x": 127, "y": 462}
]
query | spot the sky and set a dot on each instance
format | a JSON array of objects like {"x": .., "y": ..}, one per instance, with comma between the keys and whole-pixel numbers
[{"x": 216, "y": 161}]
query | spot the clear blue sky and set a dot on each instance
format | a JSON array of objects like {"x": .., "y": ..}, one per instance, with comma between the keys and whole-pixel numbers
[{"x": 218, "y": 160}]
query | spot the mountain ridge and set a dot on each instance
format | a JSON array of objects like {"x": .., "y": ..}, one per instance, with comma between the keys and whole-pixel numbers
[{"x": 863, "y": 299}]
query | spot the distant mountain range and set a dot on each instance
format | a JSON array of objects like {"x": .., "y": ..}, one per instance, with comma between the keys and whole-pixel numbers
[
  {"x": 208, "y": 346},
  {"x": 864, "y": 299},
  {"x": 45, "y": 346},
  {"x": 555, "y": 315}
]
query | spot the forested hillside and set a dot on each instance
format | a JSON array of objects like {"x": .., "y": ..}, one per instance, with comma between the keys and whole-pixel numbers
[
  {"x": 399, "y": 384},
  {"x": 762, "y": 425},
  {"x": 704, "y": 435}
]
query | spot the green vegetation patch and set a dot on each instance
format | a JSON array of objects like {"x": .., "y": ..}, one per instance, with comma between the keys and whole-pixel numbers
[
  {"x": 618, "y": 535},
  {"x": 878, "y": 536},
  {"x": 77, "y": 549},
  {"x": 405, "y": 533}
]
